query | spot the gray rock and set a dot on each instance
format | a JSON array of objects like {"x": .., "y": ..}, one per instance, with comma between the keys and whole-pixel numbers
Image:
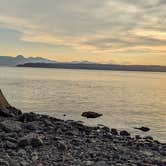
[
  {"x": 21, "y": 152},
  {"x": 24, "y": 163},
  {"x": 101, "y": 163},
  {"x": 3, "y": 163},
  {"x": 124, "y": 133},
  {"x": 11, "y": 145},
  {"x": 30, "y": 139},
  {"x": 13, "y": 140},
  {"x": 89, "y": 163},
  {"x": 137, "y": 137},
  {"x": 32, "y": 125},
  {"x": 145, "y": 129},
  {"x": 23, "y": 141},
  {"x": 114, "y": 131},
  {"x": 11, "y": 126}
]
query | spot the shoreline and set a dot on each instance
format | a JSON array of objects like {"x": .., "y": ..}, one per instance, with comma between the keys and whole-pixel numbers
[{"x": 35, "y": 139}]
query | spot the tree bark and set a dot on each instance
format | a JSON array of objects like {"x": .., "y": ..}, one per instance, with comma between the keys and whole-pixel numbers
[
  {"x": 3, "y": 101},
  {"x": 6, "y": 109}
]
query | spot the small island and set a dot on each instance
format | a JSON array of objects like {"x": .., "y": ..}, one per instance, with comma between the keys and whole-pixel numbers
[{"x": 40, "y": 140}]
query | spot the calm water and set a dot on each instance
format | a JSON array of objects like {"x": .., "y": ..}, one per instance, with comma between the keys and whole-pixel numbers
[{"x": 127, "y": 99}]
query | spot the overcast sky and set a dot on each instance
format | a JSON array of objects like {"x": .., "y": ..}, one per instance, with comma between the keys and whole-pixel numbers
[{"x": 106, "y": 31}]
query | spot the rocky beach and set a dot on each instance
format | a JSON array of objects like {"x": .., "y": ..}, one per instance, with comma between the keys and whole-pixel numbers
[{"x": 29, "y": 139}]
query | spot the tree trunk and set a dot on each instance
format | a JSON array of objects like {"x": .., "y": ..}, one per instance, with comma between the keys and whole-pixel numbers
[
  {"x": 3, "y": 101},
  {"x": 6, "y": 109}
]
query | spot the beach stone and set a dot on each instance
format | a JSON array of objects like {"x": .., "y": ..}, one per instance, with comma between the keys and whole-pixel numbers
[
  {"x": 137, "y": 137},
  {"x": 124, "y": 133},
  {"x": 89, "y": 163},
  {"x": 28, "y": 117},
  {"x": 114, "y": 132},
  {"x": 24, "y": 163},
  {"x": 62, "y": 146},
  {"x": 145, "y": 129},
  {"x": 36, "y": 141},
  {"x": 11, "y": 145},
  {"x": 21, "y": 152},
  {"x": 11, "y": 126},
  {"x": 30, "y": 139},
  {"x": 90, "y": 114},
  {"x": 101, "y": 163},
  {"x": 148, "y": 138},
  {"x": 32, "y": 125},
  {"x": 13, "y": 140}
]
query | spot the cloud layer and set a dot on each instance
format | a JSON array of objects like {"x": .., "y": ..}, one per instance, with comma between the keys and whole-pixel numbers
[{"x": 98, "y": 26}]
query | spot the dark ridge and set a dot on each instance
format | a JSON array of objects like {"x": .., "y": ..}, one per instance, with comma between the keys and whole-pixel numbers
[{"x": 94, "y": 66}]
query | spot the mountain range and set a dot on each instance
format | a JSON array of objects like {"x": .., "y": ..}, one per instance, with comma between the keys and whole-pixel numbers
[{"x": 20, "y": 59}]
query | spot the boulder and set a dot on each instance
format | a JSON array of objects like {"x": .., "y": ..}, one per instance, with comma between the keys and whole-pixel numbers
[{"x": 90, "y": 114}]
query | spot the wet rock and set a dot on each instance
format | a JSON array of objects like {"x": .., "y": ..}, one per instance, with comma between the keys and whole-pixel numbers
[
  {"x": 11, "y": 126},
  {"x": 124, "y": 133},
  {"x": 91, "y": 114},
  {"x": 145, "y": 129}
]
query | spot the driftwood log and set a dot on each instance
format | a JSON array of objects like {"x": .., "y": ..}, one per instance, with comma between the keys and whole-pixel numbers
[{"x": 6, "y": 109}]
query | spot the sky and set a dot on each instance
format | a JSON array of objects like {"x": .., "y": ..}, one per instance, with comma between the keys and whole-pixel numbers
[{"x": 104, "y": 31}]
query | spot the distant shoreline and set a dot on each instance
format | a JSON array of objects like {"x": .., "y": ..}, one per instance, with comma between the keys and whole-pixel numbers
[{"x": 114, "y": 67}]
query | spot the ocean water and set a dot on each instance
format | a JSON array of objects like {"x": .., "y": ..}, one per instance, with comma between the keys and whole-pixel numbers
[{"x": 126, "y": 99}]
